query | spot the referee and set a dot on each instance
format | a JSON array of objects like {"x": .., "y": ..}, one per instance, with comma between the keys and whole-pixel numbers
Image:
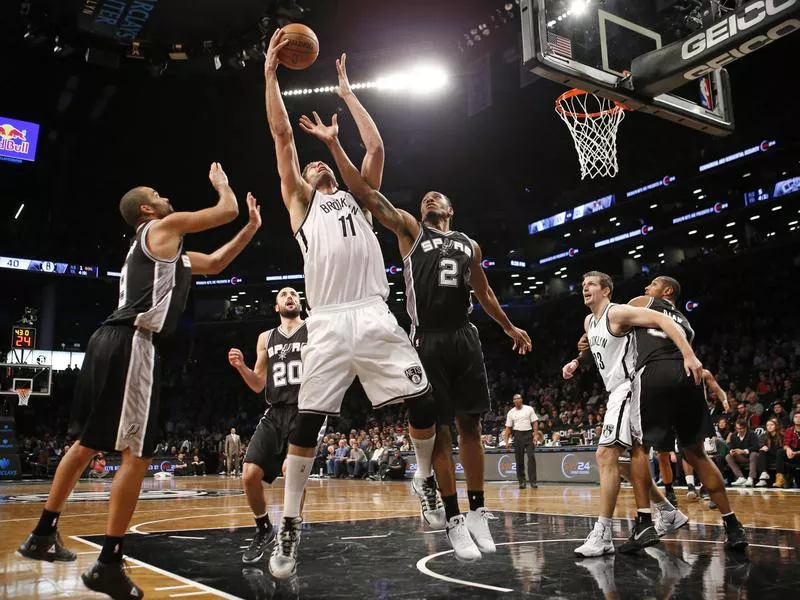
[{"x": 523, "y": 421}]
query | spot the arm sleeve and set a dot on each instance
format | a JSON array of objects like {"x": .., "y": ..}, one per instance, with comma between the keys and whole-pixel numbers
[
  {"x": 534, "y": 416},
  {"x": 510, "y": 423}
]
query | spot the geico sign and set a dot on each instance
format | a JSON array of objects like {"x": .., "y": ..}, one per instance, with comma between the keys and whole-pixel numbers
[{"x": 752, "y": 15}]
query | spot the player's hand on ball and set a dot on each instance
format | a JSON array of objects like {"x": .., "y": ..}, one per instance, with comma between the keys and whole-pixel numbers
[
  {"x": 568, "y": 370},
  {"x": 276, "y": 43},
  {"x": 236, "y": 358},
  {"x": 217, "y": 176},
  {"x": 343, "y": 89},
  {"x": 693, "y": 368},
  {"x": 583, "y": 343},
  {"x": 254, "y": 211},
  {"x": 522, "y": 342},
  {"x": 325, "y": 133}
]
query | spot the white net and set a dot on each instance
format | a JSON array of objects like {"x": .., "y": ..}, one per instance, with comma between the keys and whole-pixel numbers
[
  {"x": 24, "y": 395},
  {"x": 593, "y": 123}
]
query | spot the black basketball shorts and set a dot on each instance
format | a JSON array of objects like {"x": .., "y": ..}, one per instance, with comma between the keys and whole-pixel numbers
[
  {"x": 453, "y": 360},
  {"x": 117, "y": 393},
  {"x": 270, "y": 442},
  {"x": 671, "y": 406}
]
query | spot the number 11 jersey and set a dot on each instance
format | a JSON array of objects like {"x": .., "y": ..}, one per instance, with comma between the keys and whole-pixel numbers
[
  {"x": 343, "y": 260},
  {"x": 437, "y": 274}
]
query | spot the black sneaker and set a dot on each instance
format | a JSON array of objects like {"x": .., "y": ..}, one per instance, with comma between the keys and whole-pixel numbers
[
  {"x": 111, "y": 579},
  {"x": 735, "y": 537},
  {"x": 533, "y": 485},
  {"x": 691, "y": 492},
  {"x": 522, "y": 485},
  {"x": 642, "y": 536},
  {"x": 46, "y": 547},
  {"x": 255, "y": 551},
  {"x": 670, "y": 495}
]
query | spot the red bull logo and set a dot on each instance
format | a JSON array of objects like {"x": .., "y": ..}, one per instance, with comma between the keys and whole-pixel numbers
[{"x": 13, "y": 140}]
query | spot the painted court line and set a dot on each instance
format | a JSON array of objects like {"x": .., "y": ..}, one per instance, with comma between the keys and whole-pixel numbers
[
  {"x": 365, "y": 537},
  {"x": 173, "y": 587},
  {"x": 186, "y": 594},
  {"x": 186, "y": 537}
]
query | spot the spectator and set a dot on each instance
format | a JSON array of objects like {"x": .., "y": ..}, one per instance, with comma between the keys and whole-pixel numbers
[
  {"x": 779, "y": 414},
  {"x": 97, "y": 470},
  {"x": 330, "y": 462},
  {"x": 181, "y": 468},
  {"x": 341, "y": 455},
  {"x": 743, "y": 449},
  {"x": 356, "y": 462},
  {"x": 768, "y": 453},
  {"x": 378, "y": 457},
  {"x": 791, "y": 447},
  {"x": 397, "y": 466},
  {"x": 755, "y": 408},
  {"x": 555, "y": 440},
  {"x": 198, "y": 466},
  {"x": 233, "y": 448}
]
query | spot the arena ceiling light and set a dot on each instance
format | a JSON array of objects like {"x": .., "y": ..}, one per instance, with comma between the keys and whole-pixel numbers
[{"x": 420, "y": 80}]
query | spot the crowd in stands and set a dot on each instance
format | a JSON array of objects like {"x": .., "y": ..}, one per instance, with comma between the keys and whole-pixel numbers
[{"x": 744, "y": 336}]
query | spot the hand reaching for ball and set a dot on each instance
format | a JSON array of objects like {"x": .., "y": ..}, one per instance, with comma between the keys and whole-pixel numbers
[
  {"x": 276, "y": 44},
  {"x": 326, "y": 133},
  {"x": 343, "y": 89}
]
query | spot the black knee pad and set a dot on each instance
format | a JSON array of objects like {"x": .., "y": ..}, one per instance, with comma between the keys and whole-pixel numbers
[
  {"x": 306, "y": 430},
  {"x": 422, "y": 411}
]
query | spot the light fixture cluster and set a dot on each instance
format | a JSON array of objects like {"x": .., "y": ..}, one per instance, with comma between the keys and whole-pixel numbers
[
  {"x": 576, "y": 8},
  {"x": 502, "y": 15},
  {"x": 419, "y": 80}
]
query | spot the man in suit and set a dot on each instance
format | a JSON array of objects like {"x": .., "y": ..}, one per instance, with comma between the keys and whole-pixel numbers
[{"x": 233, "y": 448}]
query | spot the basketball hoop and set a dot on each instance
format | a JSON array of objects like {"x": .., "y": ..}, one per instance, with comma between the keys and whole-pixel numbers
[
  {"x": 593, "y": 123},
  {"x": 24, "y": 395}
]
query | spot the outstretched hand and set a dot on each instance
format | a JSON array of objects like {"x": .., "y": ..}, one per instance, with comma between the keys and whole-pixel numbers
[
  {"x": 522, "y": 342},
  {"x": 217, "y": 176},
  {"x": 254, "y": 210},
  {"x": 325, "y": 133},
  {"x": 343, "y": 89},
  {"x": 276, "y": 44}
]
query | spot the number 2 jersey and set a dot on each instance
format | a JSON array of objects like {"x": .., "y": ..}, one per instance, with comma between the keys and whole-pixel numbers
[
  {"x": 654, "y": 344},
  {"x": 285, "y": 365},
  {"x": 614, "y": 355},
  {"x": 343, "y": 260},
  {"x": 437, "y": 274}
]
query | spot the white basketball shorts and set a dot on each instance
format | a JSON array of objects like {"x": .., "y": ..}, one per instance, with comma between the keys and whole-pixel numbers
[
  {"x": 361, "y": 339},
  {"x": 622, "y": 423}
]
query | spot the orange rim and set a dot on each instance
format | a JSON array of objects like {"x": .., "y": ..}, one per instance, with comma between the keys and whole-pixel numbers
[{"x": 576, "y": 92}]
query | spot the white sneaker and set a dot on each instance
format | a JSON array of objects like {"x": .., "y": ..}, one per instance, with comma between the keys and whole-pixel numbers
[
  {"x": 749, "y": 482},
  {"x": 430, "y": 504},
  {"x": 460, "y": 539},
  {"x": 739, "y": 482},
  {"x": 762, "y": 483},
  {"x": 283, "y": 562},
  {"x": 764, "y": 476},
  {"x": 478, "y": 525},
  {"x": 597, "y": 543},
  {"x": 669, "y": 521}
]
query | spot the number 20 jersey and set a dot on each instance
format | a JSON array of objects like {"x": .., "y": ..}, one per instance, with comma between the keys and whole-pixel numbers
[
  {"x": 343, "y": 260},
  {"x": 285, "y": 365},
  {"x": 437, "y": 274},
  {"x": 614, "y": 355}
]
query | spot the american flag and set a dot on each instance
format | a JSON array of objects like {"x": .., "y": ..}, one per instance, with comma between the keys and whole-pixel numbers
[{"x": 559, "y": 45}]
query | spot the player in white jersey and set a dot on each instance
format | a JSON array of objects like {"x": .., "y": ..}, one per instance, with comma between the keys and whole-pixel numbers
[
  {"x": 612, "y": 344},
  {"x": 351, "y": 331}
]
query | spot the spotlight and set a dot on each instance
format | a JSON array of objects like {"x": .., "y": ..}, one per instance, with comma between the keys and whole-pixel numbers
[{"x": 57, "y": 47}]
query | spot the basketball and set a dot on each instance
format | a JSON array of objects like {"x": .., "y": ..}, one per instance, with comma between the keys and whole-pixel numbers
[{"x": 302, "y": 49}]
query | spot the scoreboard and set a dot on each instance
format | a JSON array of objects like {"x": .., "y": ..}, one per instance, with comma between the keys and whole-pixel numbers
[
  {"x": 23, "y": 337},
  {"x": 48, "y": 266}
]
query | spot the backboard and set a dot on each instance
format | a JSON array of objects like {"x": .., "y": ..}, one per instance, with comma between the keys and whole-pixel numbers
[
  {"x": 37, "y": 378},
  {"x": 663, "y": 57}
]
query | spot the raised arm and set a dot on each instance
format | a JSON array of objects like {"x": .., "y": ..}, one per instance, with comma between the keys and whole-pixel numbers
[
  {"x": 295, "y": 191},
  {"x": 256, "y": 378},
  {"x": 399, "y": 221},
  {"x": 372, "y": 165},
  {"x": 486, "y": 296},
  {"x": 622, "y": 317},
  {"x": 217, "y": 261}
]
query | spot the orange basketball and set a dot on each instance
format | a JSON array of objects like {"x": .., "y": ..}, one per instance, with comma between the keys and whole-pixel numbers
[{"x": 302, "y": 49}]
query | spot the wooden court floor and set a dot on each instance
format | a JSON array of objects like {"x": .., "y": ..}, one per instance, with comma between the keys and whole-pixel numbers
[{"x": 196, "y": 503}]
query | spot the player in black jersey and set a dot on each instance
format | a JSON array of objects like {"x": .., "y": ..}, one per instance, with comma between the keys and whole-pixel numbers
[
  {"x": 116, "y": 397},
  {"x": 279, "y": 369},
  {"x": 672, "y": 406},
  {"x": 442, "y": 267}
]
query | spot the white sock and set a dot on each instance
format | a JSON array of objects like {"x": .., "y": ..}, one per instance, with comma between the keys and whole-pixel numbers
[
  {"x": 298, "y": 468},
  {"x": 604, "y": 521},
  {"x": 424, "y": 451},
  {"x": 690, "y": 480}
]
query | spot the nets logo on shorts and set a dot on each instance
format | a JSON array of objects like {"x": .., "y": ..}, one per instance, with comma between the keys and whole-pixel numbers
[
  {"x": 608, "y": 431},
  {"x": 414, "y": 374}
]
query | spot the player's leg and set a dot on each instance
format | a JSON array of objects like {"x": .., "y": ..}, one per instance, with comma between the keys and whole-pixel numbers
[
  {"x": 445, "y": 468},
  {"x": 691, "y": 489},
  {"x": 667, "y": 474},
  {"x": 327, "y": 373},
  {"x": 690, "y": 430}
]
